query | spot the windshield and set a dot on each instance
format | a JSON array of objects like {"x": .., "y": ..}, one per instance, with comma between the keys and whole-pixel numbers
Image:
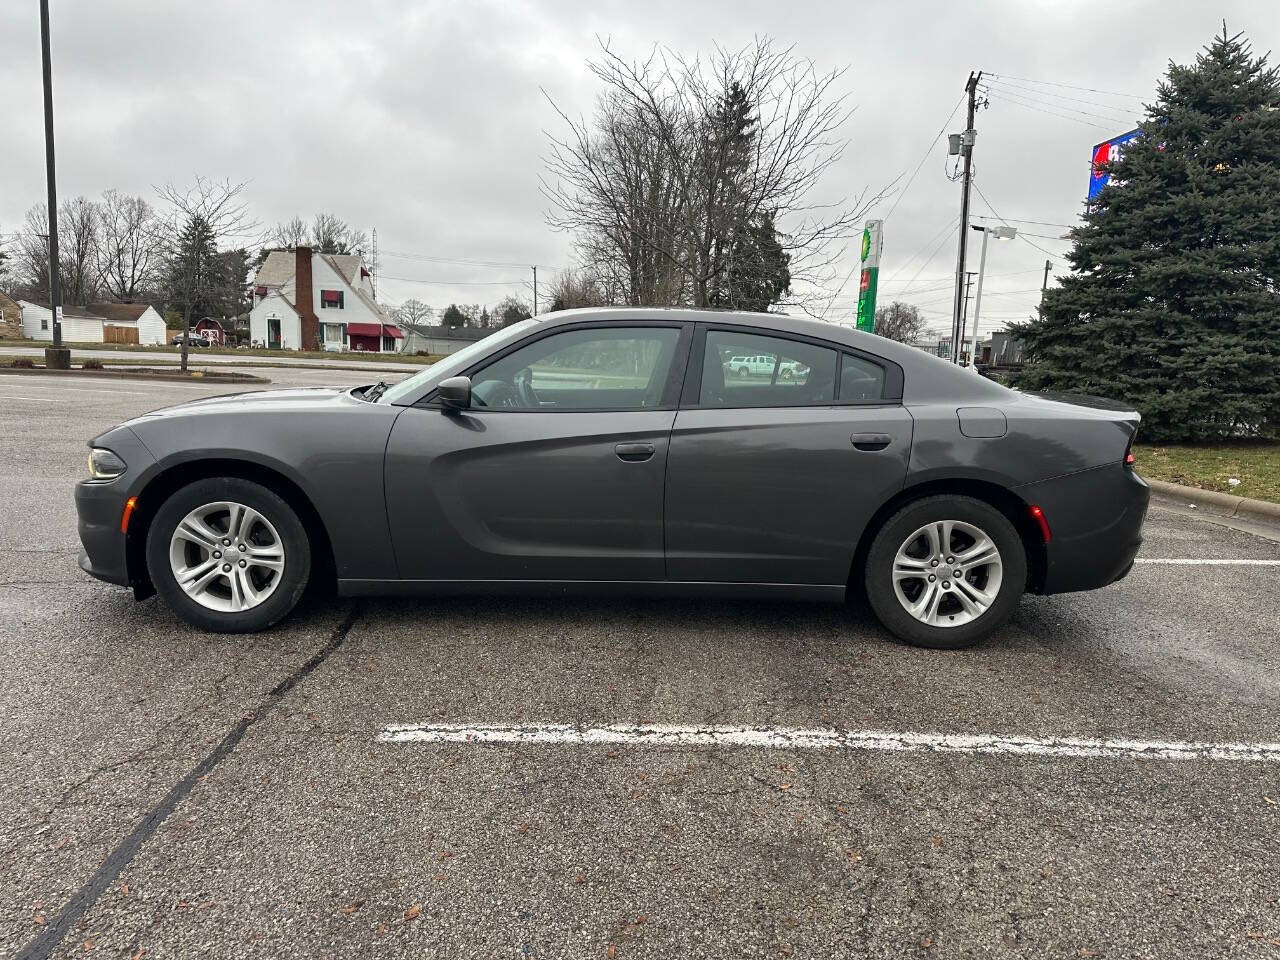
[{"x": 454, "y": 363}]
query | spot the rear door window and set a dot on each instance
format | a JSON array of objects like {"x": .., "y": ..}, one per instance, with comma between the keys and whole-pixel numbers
[
  {"x": 749, "y": 370},
  {"x": 861, "y": 381}
]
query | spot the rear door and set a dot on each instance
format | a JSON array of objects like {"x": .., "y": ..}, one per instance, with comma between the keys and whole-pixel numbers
[
  {"x": 773, "y": 477},
  {"x": 557, "y": 470}
]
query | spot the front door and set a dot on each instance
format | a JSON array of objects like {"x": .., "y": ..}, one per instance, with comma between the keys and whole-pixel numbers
[
  {"x": 773, "y": 474},
  {"x": 273, "y": 332},
  {"x": 555, "y": 473}
]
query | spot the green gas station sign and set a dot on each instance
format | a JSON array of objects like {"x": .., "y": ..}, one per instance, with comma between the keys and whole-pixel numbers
[{"x": 872, "y": 244}]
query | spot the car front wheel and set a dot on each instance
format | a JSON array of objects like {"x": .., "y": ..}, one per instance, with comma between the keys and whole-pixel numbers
[
  {"x": 945, "y": 571},
  {"x": 228, "y": 555}
]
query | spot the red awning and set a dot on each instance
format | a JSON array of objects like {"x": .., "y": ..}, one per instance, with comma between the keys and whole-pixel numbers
[
  {"x": 329, "y": 296},
  {"x": 260, "y": 291},
  {"x": 393, "y": 331},
  {"x": 363, "y": 330}
]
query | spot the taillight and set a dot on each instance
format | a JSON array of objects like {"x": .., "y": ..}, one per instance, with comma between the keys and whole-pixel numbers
[
  {"x": 1038, "y": 516},
  {"x": 1128, "y": 460}
]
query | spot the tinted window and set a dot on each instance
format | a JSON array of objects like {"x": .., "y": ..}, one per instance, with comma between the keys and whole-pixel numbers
[
  {"x": 746, "y": 370},
  {"x": 860, "y": 380},
  {"x": 617, "y": 368}
]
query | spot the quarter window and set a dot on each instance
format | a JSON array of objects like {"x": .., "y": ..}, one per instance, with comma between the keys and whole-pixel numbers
[
  {"x": 594, "y": 369},
  {"x": 861, "y": 381},
  {"x": 747, "y": 370}
]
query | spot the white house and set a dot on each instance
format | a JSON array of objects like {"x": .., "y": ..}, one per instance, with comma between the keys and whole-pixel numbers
[
  {"x": 306, "y": 301},
  {"x": 97, "y": 323}
]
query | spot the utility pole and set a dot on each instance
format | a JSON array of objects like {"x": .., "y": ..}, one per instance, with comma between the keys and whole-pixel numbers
[
  {"x": 535, "y": 289},
  {"x": 373, "y": 272},
  {"x": 56, "y": 357},
  {"x": 1044, "y": 286},
  {"x": 966, "y": 150}
]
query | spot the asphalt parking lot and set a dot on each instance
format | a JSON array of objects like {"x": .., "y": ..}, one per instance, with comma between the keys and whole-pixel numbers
[{"x": 169, "y": 793}]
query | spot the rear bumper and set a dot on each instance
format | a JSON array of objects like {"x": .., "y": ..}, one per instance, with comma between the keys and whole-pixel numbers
[{"x": 1095, "y": 520}]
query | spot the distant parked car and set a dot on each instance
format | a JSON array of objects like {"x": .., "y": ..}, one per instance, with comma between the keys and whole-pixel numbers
[
  {"x": 196, "y": 340},
  {"x": 762, "y": 365}
]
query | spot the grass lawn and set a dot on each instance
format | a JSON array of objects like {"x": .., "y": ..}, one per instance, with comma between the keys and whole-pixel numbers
[
  {"x": 1211, "y": 467},
  {"x": 195, "y": 352}
]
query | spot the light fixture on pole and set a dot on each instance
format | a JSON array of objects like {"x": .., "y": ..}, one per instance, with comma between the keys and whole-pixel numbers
[{"x": 1000, "y": 233}]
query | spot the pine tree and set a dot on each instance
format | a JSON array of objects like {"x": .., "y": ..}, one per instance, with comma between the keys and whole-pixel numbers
[{"x": 1174, "y": 300}]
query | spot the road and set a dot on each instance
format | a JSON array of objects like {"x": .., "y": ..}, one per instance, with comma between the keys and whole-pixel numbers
[
  {"x": 171, "y": 793},
  {"x": 199, "y": 357}
]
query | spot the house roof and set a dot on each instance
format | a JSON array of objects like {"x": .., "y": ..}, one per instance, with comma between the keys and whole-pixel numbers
[
  {"x": 78, "y": 313},
  {"x": 119, "y": 312},
  {"x": 279, "y": 266}
]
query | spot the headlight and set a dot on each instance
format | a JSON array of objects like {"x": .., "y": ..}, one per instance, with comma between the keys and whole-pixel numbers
[{"x": 104, "y": 465}]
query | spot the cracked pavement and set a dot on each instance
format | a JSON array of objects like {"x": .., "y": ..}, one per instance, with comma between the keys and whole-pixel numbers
[{"x": 312, "y": 838}]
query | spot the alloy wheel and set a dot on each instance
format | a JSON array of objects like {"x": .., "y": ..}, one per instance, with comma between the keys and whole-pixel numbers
[
  {"x": 226, "y": 556},
  {"x": 947, "y": 573}
]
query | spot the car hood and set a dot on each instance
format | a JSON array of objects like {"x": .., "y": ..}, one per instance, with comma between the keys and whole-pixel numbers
[{"x": 256, "y": 400}]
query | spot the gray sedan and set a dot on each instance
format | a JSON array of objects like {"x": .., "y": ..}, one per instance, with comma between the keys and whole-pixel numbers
[{"x": 599, "y": 451}]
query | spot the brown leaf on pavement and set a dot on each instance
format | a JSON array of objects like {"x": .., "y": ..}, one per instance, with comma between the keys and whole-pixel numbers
[{"x": 412, "y": 912}]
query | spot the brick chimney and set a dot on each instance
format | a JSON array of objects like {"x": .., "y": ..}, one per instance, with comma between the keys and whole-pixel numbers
[{"x": 305, "y": 300}]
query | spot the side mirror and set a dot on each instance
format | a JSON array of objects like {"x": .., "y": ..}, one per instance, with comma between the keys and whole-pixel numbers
[{"x": 454, "y": 393}]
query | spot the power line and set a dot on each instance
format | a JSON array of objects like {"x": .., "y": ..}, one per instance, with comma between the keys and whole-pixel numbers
[
  {"x": 1058, "y": 98},
  {"x": 1068, "y": 86},
  {"x": 1112, "y": 113},
  {"x": 928, "y": 150},
  {"x": 431, "y": 258},
  {"x": 1052, "y": 113},
  {"x": 1039, "y": 223},
  {"x": 459, "y": 283},
  {"x": 1002, "y": 220}
]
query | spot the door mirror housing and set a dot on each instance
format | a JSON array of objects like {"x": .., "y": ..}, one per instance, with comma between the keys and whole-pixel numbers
[{"x": 454, "y": 393}]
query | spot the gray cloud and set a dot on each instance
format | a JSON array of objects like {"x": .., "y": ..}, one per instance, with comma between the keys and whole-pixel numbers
[{"x": 426, "y": 120}]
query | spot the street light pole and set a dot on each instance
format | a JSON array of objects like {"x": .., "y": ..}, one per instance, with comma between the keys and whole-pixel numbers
[
  {"x": 56, "y": 357},
  {"x": 1000, "y": 233}
]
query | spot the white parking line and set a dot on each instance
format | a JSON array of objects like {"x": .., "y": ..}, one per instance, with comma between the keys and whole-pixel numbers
[
  {"x": 34, "y": 399},
  {"x": 1192, "y": 562},
  {"x": 822, "y": 738}
]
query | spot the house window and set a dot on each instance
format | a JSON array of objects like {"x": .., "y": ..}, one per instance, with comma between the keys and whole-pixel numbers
[
  {"x": 44, "y": 323},
  {"x": 331, "y": 300},
  {"x": 333, "y": 333},
  {"x": 388, "y": 344}
]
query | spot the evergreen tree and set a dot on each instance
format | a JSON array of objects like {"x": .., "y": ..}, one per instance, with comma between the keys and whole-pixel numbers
[
  {"x": 453, "y": 317},
  {"x": 196, "y": 275},
  {"x": 1174, "y": 300}
]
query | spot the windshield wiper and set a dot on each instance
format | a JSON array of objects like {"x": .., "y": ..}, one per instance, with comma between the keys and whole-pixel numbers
[{"x": 373, "y": 393}]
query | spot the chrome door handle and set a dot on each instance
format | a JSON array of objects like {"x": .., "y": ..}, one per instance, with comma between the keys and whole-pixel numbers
[
  {"x": 870, "y": 441},
  {"x": 634, "y": 452}
]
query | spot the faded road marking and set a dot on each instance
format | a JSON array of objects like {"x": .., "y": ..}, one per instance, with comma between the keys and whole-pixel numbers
[
  {"x": 1188, "y": 562},
  {"x": 36, "y": 399},
  {"x": 822, "y": 738}
]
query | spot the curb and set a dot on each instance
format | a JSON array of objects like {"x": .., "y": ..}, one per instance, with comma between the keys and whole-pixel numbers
[
  {"x": 1218, "y": 504},
  {"x": 197, "y": 377}
]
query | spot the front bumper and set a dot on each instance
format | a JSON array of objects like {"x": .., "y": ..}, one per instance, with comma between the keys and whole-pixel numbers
[
  {"x": 100, "y": 506},
  {"x": 1095, "y": 522}
]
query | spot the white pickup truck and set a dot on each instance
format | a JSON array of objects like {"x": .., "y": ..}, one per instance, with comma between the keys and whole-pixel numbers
[{"x": 761, "y": 365}]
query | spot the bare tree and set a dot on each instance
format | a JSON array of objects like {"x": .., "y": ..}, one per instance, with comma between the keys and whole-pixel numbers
[
  {"x": 684, "y": 160},
  {"x": 130, "y": 245},
  {"x": 900, "y": 321},
  {"x": 201, "y": 218},
  {"x": 571, "y": 289},
  {"x": 413, "y": 311},
  {"x": 77, "y": 250},
  {"x": 289, "y": 235},
  {"x": 328, "y": 233}
]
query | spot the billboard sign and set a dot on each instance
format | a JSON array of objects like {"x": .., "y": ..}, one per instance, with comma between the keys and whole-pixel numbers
[
  {"x": 1107, "y": 152},
  {"x": 872, "y": 245}
]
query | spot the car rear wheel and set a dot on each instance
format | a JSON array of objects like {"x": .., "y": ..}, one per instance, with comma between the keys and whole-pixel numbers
[
  {"x": 228, "y": 555},
  {"x": 945, "y": 571},
  {"x": 743, "y": 372}
]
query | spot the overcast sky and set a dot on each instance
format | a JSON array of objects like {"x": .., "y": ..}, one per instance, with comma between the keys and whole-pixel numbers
[{"x": 426, "y": 120}]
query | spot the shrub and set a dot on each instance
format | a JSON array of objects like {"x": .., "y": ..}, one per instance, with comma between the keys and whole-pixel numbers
[
  {"x": 91, "y": 365},
  {"x": 24, "y": 363}
]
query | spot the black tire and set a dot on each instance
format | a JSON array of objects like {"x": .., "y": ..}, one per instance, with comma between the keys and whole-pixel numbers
[
  {"x": 292, "y": 535},
  {"x": 744, "y": 372},
  {"x": 895, "y": 531}
]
